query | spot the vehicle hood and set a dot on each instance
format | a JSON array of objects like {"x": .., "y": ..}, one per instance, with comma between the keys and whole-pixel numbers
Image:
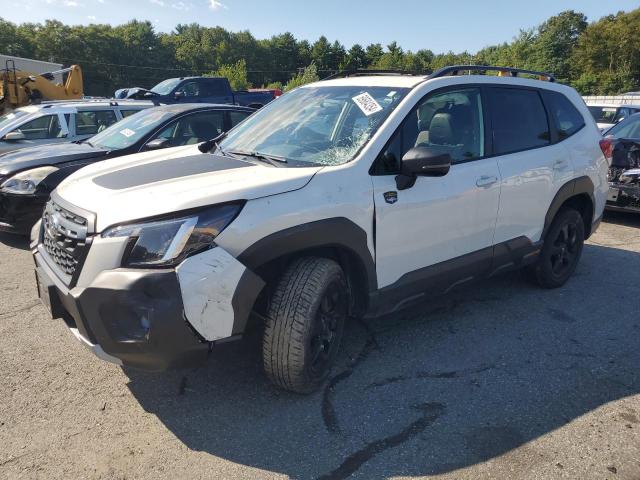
[
  {"x": 143, "y": 185},
  {"x": 53, "y": 154}
]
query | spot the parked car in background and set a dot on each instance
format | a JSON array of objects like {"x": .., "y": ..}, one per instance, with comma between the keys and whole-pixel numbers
[
  {"x": 198, "y": 89},
  {"x": 621, "y": 146},
  {"x": 276, "y": 92},
  {"x": 28, "y": 176},
  {"x": 60, "y": 122},
  {"x": 607, "y": 115}
]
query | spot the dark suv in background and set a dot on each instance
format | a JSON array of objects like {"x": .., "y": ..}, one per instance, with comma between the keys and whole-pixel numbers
[{"x": 198, "y": 89}]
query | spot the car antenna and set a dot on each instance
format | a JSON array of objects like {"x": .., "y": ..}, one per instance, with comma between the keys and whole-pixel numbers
[{"x": 206, "y": 146}]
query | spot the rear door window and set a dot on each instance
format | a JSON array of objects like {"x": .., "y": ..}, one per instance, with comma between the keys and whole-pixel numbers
[
  {"x": 91, "y": 122},
  {"x": 567, "y": 119},
  {"x": 518, "y": 120},
  {"x": 41, "y": 128},
  {"x": 193, "y": 128}
]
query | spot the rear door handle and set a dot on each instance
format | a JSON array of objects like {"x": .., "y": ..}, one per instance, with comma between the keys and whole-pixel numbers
[{"x": 486, "y": 181}]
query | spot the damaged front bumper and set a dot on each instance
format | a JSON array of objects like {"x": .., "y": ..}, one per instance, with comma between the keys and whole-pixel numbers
[
  {"x": 624, "y": 191},
  {"x": 152, "y": 319}
]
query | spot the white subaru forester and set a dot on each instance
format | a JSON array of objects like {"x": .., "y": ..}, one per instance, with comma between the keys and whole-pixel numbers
[{"x": 352, "y": 196}]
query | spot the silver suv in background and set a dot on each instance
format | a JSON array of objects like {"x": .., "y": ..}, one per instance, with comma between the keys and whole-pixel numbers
[{"x": 56, "y": 122}]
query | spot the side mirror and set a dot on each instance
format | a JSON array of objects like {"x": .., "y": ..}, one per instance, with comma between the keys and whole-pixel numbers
[
  {"x": 620, "y": 119},
  {"x": 422, "y": 161},
  {"x": 178, "y": 95},
  {"x": 156, "y": 144},
  {"x": 14, "y": 136},
  {"x": 148, "y": 94}
]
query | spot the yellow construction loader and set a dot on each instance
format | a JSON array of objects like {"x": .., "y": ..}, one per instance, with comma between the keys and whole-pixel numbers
[{"x": 19, "y": 88}]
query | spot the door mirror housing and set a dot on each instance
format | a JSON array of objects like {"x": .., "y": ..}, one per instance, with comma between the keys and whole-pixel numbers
[
  {"x": 14, "y": 136},
  {"x": 178, "y": 95},
  {"x": 156, "y": 144},
  {"x": 422, "y": 161}
]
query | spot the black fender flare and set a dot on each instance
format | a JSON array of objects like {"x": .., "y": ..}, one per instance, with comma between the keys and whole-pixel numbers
[
  {"x": 577, "y": 186},
  {"x": 336, "y": 232}
]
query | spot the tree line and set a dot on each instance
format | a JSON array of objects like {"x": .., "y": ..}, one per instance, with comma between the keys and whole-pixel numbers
[{"x": 602, "y": 57}]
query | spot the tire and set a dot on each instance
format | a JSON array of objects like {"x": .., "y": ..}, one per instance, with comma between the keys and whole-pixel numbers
[
  {"x": 305, "y": 323},
  {"x": 561, "y": 251}
]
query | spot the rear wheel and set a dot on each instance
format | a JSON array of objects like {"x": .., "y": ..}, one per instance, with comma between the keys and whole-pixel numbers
[
  {"x": 305, "y": 322},
  {"x": 561, "y": 250}
]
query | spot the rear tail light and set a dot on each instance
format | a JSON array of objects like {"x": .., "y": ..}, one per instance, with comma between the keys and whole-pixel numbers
[{"x": 606, "y": 145}]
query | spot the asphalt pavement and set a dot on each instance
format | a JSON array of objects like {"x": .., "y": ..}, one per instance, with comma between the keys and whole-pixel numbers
[{"x": 502, "y": 380}]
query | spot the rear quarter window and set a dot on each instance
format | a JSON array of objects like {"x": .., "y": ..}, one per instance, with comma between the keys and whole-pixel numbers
[
  {"x": 126, "y": 113},
  {"x": 213, "y": 87},
  {"x": 567, "y": 119}
]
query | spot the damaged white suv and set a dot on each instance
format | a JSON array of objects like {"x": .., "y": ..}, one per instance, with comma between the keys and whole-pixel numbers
[{"x": 352, "y": 196}]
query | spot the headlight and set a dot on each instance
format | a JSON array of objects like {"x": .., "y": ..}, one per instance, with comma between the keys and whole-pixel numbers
[
  {"x": 25, "y": 183},
  {"x": 167, "y": 242}
]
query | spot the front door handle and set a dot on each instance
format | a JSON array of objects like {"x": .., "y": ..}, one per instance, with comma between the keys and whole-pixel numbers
[{"x": 486, "y": 181}]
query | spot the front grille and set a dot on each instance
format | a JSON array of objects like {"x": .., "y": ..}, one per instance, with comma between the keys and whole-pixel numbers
[{"x": 64, "y": 237}]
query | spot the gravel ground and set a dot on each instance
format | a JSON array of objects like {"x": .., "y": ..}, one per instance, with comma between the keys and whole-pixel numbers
[{"x": 503, "y": 380}]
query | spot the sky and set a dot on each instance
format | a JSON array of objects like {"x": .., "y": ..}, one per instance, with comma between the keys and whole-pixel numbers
[{"x": 441, "y": 26}]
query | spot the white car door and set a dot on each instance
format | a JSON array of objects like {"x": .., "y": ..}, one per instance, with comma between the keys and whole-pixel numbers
[
  {"x": 438, "y": 218},
  {"x": 531, "y": 166}
]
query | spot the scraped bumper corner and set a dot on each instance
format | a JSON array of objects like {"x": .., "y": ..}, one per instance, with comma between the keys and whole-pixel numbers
[
  {"x": 96, "y": 349},
  {"x": 155, "y": 319}
]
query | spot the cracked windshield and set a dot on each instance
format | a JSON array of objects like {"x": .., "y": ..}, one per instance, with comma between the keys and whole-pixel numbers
[{"x": 315, "y": 125}]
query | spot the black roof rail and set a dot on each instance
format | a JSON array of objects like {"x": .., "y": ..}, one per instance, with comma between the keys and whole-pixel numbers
[
  {"x": 514, "y": 72},
  {"x": 361, "y": 72}
]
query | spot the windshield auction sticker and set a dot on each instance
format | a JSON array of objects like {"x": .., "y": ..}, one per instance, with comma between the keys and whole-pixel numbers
[
  {"x": 367, "y": 104},
  {"x": 127, "y": 132}
]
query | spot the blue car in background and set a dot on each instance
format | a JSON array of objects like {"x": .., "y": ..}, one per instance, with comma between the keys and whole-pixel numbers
[{"x": 197, "y": 90}]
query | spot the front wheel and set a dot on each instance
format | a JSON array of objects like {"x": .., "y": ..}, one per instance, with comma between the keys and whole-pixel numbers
[
  {"x": 305, "y": 322},
  {"x": 561, "y": 250}
]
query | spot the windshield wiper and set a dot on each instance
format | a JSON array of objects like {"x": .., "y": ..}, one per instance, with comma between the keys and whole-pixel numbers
[
  {"x": 271, "y": 159},
  {"x": 206, "y": 147}
]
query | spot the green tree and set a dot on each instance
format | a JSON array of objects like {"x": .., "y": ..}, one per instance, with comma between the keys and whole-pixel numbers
[
  {"x": 600, "y": 57},
  {"x": 555, "y": 42},
  {"x": 373, "y": 53},
  {"x": 235, "y": 73},
  {"x": 606, "y": 59},
  {"x": 321, "y": 54},
  {"x": 308, "y": 75},
  {"x": 356, "y": 58}
]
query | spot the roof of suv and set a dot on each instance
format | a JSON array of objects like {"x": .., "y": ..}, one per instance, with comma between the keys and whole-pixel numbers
[
  {"x": 403, "y": 79},
  {"x": 409, "y": 81}
]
